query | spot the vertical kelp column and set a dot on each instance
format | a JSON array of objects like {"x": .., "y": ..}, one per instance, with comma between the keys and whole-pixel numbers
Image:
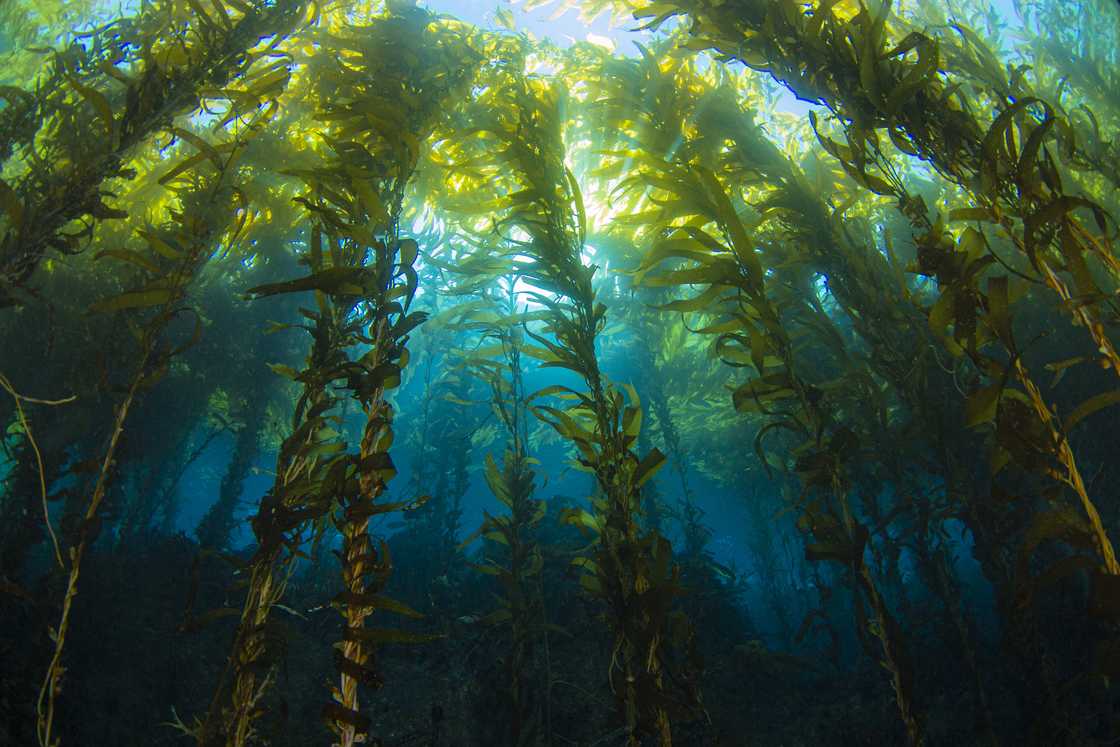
[
  {"x": 1015, "y": 164},
  {"x": 209, "y": 212},
  {"x": 382, "y": 87},
  {"x": 182, "y": 54},
  {"x": 695, "y": 239},
  {"x": 513, "y": 555},
  {"x": 540, "y": 223}
]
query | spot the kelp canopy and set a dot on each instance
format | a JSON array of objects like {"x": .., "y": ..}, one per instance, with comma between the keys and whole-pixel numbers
[{"x": 372, "y": 376}]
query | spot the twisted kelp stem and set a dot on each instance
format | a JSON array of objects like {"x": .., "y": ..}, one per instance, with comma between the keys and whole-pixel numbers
[
  {"x": 512, "y": 535},
  {"x": 48, "y": 692},
  {"x": 194, "y": 234},
  {"x": 755, "y": 325},
  {"x": 19, "y": 399},
  {"x": 285, "y": 511},
  {"x": 358, "y": 556}
]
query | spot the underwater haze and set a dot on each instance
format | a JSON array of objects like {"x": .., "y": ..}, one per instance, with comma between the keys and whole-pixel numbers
[{"x": 550, "y": 373}]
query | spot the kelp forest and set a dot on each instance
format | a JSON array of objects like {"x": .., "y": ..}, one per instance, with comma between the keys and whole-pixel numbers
[{"x": 558, "y": 373}]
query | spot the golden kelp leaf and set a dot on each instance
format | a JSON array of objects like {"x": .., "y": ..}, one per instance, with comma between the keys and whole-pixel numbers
[
  {"x": 973, "y": 213},
  {"x": 999, "y": 315},
  {"x": 134, "y": 300},
  {"x": 189, "y": 163},
  {"x": 941, "y": 315},
  {"x": 375, "y": 602},
  {"x": 160, "y": 245},
  {"x": 285, "y": 371},
  {"x": 99, "y": 103}
]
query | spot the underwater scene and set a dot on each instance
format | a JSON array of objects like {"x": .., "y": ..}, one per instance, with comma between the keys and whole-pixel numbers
[{"x": 559, "y": 373}]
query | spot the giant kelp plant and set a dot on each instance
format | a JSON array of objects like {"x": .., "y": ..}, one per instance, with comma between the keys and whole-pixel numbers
[{"x": 750, "y": 373}]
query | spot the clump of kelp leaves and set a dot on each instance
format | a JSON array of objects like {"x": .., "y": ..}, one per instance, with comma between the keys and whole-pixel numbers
[{"x": 279, "y": 247}]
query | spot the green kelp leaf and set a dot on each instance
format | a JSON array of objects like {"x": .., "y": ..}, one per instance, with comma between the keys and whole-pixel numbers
[
  {"x": 1060, "y": 367},
  {"x": 11, "y": 204},
  {"x": 504, "y": 19},
  {"x": 285, "y": 371},
  {"x": 981, "y": 405},
  {"x": 200, "y": 145},
  {"x": 133, "y": 300},
  {"x": 497, "y": 617},
  {"x": 333, "y": 280},
  {"x": 189, "y": 163},
  {"x": 999, "y": 303},
  {"x": 127, "y": 255},
  {"x": 648, "y": 467},
  {"x": 703, "y": 302},
  {"x": 406, "y": 325},
  {"x": 386, "y": 376},
  {"x": 488, "y": 568},
  {"x": 1066, "y": 524},
  {"x": 973, "y": 213},
  {"x": 375, "y": 602},
  {"x": 1090, "y": 406},
  {"x": 1055, "y": 573},
  {"x": 577, "y": 517},
  {"x": 496, "y": 481},
  {"x": 918, "y": 77},
  {"x": 992, "y": 146},
  {"x": 97, "y": 100},
  {"x": 408, "y": 251},
  {"x": 161, "y": 246},
  {"x": 587, "y": 564}
]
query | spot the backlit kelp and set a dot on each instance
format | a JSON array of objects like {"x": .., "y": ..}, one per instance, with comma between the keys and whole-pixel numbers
[
  {"x": 64, "y": 177},
  {"x": 743, "y": 377}
]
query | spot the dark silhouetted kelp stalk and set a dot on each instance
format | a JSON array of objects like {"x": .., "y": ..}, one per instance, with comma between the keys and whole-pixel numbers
[{"x": 210, "y": 211}]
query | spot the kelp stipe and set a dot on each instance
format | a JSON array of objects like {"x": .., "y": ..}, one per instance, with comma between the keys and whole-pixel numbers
[
  {"x": 210, "y": 210},
  {"x": 513, "y": 555},
  {"x": 363, "y": 276},
  {"x": 630, "y": 571}
]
